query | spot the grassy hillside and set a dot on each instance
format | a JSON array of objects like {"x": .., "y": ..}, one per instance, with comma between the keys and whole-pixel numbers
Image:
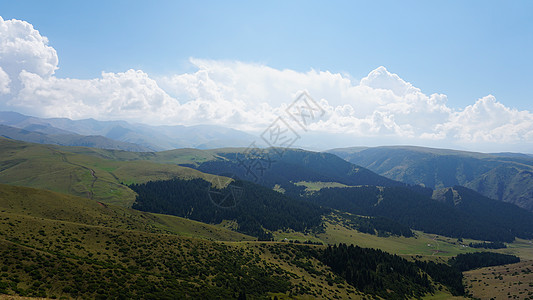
[
  {"x": 514, "y": 281},
  {"x": 92, "y": 176},
  {"x": 42, "y": 204},
  {"x": 422, "y": 246},
  {"x": 318, "y": 185},
  {"x": 101, "y": 174},
  {"x": 63, "y": 246},
  {"x": 176, "y": 156},
  {"x": 295, "y": 165}
]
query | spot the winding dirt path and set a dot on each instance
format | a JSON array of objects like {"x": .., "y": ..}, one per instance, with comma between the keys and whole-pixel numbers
[
  {"x": 436, "y": 251},
  {"x": 90, "y": 193}
]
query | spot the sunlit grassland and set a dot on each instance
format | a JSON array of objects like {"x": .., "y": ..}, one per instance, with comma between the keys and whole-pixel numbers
[
  {"x": 424, "y": 246},
  {"x": 94, "y": 176},
  {"x": 442, "y": 295},
  {"x": 39, "y": 204},
  {"x": 313, "y": 186},
  {"x": 191, "y": 228},
  {"x": 176, "y": 156}
]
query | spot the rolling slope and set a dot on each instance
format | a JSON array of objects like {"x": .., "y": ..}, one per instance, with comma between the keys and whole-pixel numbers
[{"x": 56, "y": 168}]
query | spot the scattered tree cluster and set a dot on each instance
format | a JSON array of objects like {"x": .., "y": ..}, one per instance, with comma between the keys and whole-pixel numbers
[{"x": 489, "y": 245}]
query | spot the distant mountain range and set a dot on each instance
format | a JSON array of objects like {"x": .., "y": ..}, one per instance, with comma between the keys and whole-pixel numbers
[
  {"x": 38, "y": 135},
  {"x": 129, "y": 137},
  {"x": 506, "y": 177}
]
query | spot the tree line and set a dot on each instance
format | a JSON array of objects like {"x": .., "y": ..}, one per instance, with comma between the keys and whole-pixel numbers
[
  {"x": 489, "y": 245},
  {"x": 412, "y": 209},
  {"x": 470, "y": 261}
]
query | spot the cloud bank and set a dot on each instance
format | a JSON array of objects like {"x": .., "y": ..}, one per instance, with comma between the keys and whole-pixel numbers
[{"x": 381, "y": 107}]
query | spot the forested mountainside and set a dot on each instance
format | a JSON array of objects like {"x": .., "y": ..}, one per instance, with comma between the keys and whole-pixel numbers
[{"x": 501, "y": 176}]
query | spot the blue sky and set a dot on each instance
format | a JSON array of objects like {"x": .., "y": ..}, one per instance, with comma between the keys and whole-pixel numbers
[
  {"x": 456, "y": 73},
  {"x": 465, "y": 49}
]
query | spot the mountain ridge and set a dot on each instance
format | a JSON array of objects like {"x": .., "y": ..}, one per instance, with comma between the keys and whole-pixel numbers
[
  {"x": 504, "y": 177},
  {"x": 154, "y": 138},
  {"x": 66, "y": 139}
]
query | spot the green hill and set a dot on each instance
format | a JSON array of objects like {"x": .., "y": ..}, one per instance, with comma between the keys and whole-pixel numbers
[
  {"x": 58, "y": 245},
  {"x": 94, "y": 176},
  {"x": 294, "y": 165},
  {"x": 47, "y": 205},
  {"x": 102, "y": 174},
  {"x": 504, "y": 215}
]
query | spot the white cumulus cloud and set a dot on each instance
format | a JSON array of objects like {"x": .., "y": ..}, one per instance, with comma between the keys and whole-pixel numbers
[
  {"x": 380, "y": 103},
  {"x": 380, "y": 78},
  {"x": 488, "y": 120},
  {"x": 249, "y": 96},
  {"x": 23, "y": 48},
  {"x": 130, "y": 95},
  {"x": 4, "y": 82}
]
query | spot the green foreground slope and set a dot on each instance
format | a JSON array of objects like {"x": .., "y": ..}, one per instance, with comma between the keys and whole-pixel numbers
[{"x": 55, "y": 245}]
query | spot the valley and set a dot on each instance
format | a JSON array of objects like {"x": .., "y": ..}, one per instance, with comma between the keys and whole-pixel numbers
[{"x": 146, "y": 220}]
